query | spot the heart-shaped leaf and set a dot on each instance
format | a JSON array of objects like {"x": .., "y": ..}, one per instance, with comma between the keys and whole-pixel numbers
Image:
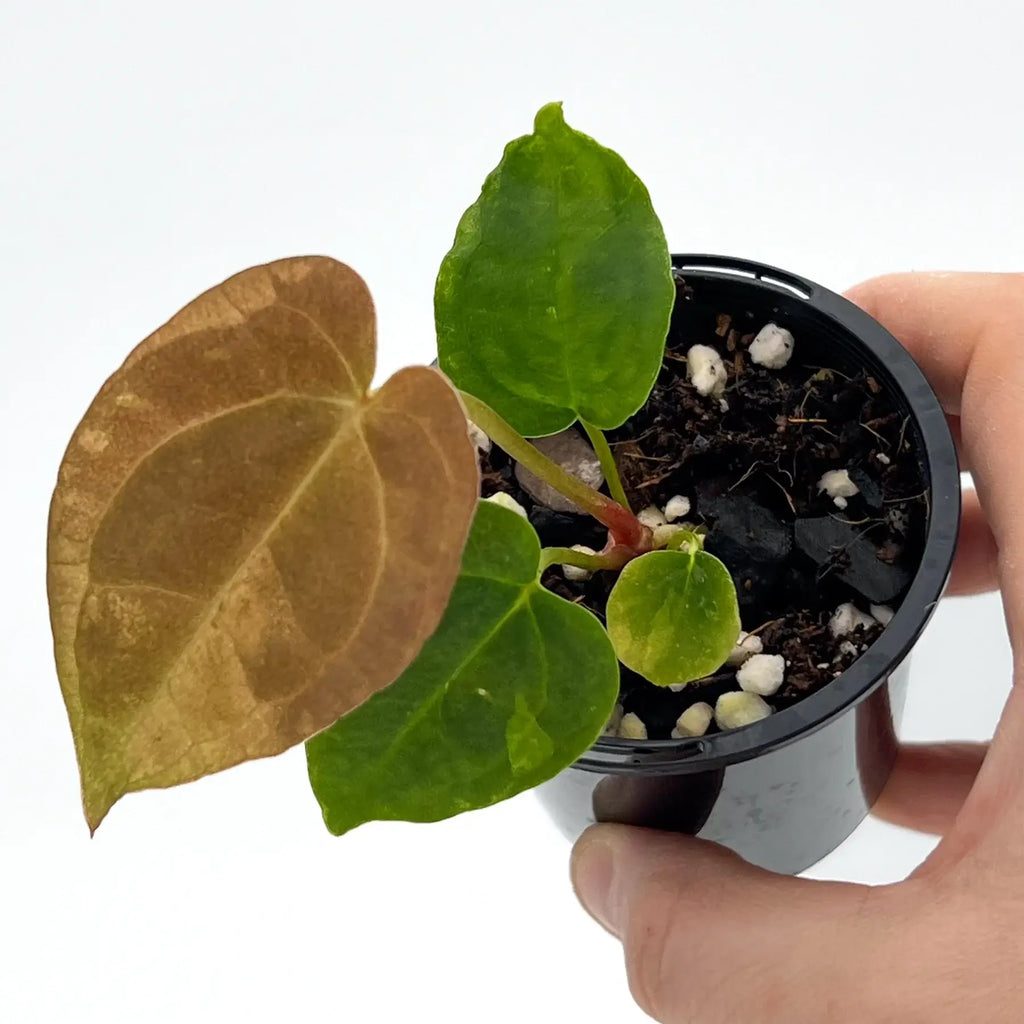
[
  {"x": 245, "y": 542},
  {"x": 515, "y": 684},
  {"x": 673, "y": 615},
  {"x": 554, "y": 301}
]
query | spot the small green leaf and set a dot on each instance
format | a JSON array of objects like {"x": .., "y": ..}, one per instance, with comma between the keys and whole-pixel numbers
[
  {"x": 554, "y": 301},
  {"x": 673, "y": 616},
  {"x": 515, "y": 684}
]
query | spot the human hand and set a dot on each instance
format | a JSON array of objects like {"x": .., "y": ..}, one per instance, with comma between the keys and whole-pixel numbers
[{"x": 709, "y": 939}]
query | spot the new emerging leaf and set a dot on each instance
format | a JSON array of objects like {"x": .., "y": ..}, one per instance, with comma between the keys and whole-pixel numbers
[
  {"x": 673, "y": 615},
  {"x": 245, "y": 542}
]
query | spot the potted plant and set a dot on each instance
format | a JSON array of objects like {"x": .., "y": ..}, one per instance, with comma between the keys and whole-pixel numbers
[{"x": 718, "y": 506}]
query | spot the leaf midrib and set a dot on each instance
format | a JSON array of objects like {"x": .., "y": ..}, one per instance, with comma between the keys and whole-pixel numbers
[
  {"x": 215, "y": 603},
  {"x": 203, "y": 421},
  {"x": 561, "y": 288},
  {"x": 440, "y": 692},
  {"x": 665, "y": 616}
]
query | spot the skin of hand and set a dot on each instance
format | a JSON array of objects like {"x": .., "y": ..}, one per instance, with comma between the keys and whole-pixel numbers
[{"x": 709, "y": 939}]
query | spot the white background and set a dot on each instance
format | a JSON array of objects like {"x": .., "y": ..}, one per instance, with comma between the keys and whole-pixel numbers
[{"x": 148, "y": 151}]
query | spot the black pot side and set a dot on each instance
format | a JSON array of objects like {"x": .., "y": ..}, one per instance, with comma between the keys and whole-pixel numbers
[{"x": 788, "y": 790}]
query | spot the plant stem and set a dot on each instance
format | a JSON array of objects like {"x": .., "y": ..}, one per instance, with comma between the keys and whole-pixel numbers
[
  {"x": 567, "y": 556},
  {"x": 625, "y": 528},
  {"x": 685, "y": 538},
  {"x": 607, "y": 460}
]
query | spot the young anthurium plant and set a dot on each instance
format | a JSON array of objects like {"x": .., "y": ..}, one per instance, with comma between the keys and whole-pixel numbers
[{"x": 250, "y": 546}]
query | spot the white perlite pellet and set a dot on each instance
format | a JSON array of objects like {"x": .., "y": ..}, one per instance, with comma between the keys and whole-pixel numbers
[
  {"x": 847, "y": 618},
  {"x": 651, "y": 517},
  {"x": 746, "y": 645},
  {"x": 676, "y": 508},
  {"x": 736, "y": 709},
  {"x": 836, "y": 483},
  {"x": 480, "y": 440},
  {"x": 705, "y": 369},
  {"x": 507, "y": 501},
  {"x": 883, "y": 458},
  {"x": 882, "y": 613},
  {"x": 846, "y": 647},
  {"x": 762, "y": 674},
  {"x": 569, "y": 450},
  {"x": 632, "y": 728},
  {"x": 772, "y": 347},
  {"x": 694, "y": 721},
  {"x": 664, "y": 533},
  {"x": 612, "y": 728},
  {"x": 575, "y": 572}
]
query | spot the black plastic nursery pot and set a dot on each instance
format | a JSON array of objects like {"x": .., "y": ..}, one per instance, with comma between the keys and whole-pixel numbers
[{"x": 787, "y": 790}]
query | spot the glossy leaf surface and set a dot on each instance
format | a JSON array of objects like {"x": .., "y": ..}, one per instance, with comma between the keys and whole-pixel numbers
[
  {"x": 673, "y": 615},
  {"x": 515, "y": 684},
  {"x": 554, "y": 302},
  {"x": 246, "y": 542}
]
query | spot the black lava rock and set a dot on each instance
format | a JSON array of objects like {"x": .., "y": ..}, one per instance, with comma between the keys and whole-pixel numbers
[
  {"x": 752, "y": 542},
  {"x": 852, "y": 556},
  {"x": 870, "y": 491}
]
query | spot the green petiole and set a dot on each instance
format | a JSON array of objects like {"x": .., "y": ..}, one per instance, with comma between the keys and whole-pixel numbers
[
  {"x": 607, "y": 461},
  {"x": 569, "y": 556},
  {"x": 624, "y": 527}
]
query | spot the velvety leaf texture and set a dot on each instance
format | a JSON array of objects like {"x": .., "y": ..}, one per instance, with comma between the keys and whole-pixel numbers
[
  {"x": 245, "y": 542},
  {"x": 554, "y": 302},
  {"x": 673, "y": 616},
  {"x": 515, "y": 684}
]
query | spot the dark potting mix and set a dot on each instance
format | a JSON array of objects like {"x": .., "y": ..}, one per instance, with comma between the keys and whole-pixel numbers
[{"x": 804, "y": 475}]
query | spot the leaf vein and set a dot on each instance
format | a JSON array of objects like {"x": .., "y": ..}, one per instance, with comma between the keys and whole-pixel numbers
[
  {"x": 378, "y": 571},
  {"x": 438, "y": 695},
  {"x": 148, "y": 586},
  {"x": 342, "y": 358},
  {"x": 293, "y": 499},
  {"x": 202, "y": 421}
]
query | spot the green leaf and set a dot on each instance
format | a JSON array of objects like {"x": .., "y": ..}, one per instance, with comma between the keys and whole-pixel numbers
[
  {"x": 554, "y": 301},
  {"x": 673, "y": 615},
  {"x": 515, "y": 684}
]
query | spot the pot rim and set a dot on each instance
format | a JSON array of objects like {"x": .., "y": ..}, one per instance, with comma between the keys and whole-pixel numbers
[{"x": 939, "y": 459}]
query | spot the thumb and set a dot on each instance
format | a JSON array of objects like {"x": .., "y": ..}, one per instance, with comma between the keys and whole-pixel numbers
[{"x": 709, "y": 938}]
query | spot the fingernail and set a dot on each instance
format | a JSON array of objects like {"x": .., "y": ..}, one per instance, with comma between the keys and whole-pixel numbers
[{"x": 593, "y": 867}]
